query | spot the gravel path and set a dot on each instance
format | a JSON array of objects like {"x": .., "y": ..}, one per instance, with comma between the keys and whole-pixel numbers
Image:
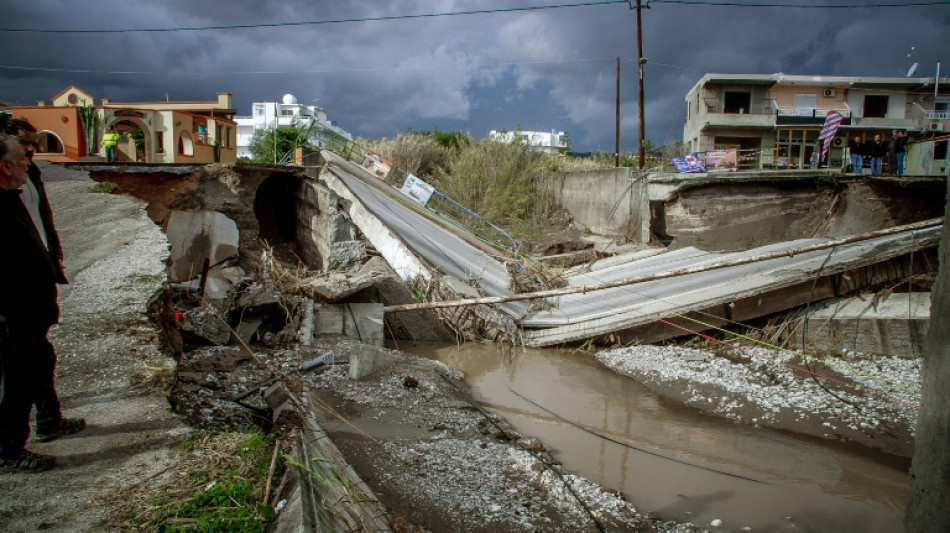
[{"x": 108, "y": 357}]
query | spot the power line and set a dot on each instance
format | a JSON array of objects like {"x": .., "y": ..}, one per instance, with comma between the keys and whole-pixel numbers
[
  {"x": 321, "y": 22},
  {"x": 799, "y": 6},
  {"x": 305, "y": 71}
]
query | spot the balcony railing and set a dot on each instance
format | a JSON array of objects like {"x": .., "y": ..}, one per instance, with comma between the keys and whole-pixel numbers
[{"x": 813, "y": 112}]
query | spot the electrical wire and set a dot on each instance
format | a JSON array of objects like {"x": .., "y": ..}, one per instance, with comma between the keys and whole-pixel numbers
[
  {"x": 713, "y": 3},
  {"x": 318, "y": 22}
]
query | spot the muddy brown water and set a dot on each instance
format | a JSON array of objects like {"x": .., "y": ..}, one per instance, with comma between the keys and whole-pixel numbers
[{"x": 696, "y": 463}]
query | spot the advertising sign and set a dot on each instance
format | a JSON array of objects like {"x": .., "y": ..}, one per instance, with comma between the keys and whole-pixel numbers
[
  {"x": 417, "y": 189},
  {"x": 688, "y": 163},
  {"x": 722, "y": 160},
  {"x": 376, "y": 164}
]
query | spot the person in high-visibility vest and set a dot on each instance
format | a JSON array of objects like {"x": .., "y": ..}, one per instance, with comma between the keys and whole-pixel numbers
[{"x": 109, "y": 140}]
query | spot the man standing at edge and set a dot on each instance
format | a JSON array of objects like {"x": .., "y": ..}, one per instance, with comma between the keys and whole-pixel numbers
[
  {"x": 856, "y": 148},
  {"x": 50, "y": 423},
  {"x": 877, "y": 150},
  {"x": 892, "y": 154},
  {"x": 109, "y": 141},
  {"x": 28, "y": 308},
  {"x": 901, "y": 151}
]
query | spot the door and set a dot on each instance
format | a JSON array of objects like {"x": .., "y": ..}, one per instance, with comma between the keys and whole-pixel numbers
[{"x": 805, "y": 104}]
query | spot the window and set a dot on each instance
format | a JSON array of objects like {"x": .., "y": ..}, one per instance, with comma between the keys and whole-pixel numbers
[
  {"x": 736, "y": 102},
  {"x": 875, "y": 106},
  {"x": 258, "y": 110},
  {"x": 73, "y": 98},
  {"x": 49, "y": 143},
  {"x": 287, "y": 112},
  {"x": 159, "y": 142},
  {"x": 940, "y": 150},
  {"x": 185, "y": 145},
  {"x": 942, "y": 109}
]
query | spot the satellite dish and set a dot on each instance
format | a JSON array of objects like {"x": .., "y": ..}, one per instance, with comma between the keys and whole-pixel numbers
[{"x": 911, "y": 70}]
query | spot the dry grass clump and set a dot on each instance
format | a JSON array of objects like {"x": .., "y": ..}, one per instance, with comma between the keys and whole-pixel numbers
[{"x": 413, "y": 153}]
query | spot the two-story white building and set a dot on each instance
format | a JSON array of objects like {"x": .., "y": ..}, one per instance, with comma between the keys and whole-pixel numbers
[
  {"x": 550, "y": 142},
  {"x": 775, "y": 119},
  {"x": 288, "y": 112}
]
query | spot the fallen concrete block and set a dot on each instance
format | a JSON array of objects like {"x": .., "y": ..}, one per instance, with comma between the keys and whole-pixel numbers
[
  {"x": 197, "y": 235},
  {"x": 366, "y": 359},
  {"x": 248, "y": 329},
  {"x": 260, "y": 300},
  {"x": 360, "y": 321},
  {"x": 335, "y": 286}
]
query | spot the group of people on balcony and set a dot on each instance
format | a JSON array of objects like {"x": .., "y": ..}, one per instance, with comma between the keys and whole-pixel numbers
[{"x": 875, "y": 151}]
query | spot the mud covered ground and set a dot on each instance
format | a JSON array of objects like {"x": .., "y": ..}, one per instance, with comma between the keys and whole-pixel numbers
[{"x": 434, "y": 457}]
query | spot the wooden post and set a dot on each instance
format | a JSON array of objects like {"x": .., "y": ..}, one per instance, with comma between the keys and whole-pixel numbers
[
  {"x": 617, "y": 119},
  {"x": 640, "y": 62}
]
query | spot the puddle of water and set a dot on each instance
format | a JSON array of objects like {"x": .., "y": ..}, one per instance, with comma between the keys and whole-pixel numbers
[{"x": 802, "y": 484}]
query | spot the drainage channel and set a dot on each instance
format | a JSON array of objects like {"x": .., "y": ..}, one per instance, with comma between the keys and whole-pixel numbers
[{"x": 675, "y": 462}]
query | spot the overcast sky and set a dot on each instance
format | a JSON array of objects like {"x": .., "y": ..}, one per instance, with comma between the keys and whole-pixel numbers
[{"x": 537, "y": 69}]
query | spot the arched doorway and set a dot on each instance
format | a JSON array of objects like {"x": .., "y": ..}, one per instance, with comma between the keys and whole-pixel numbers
[
  {"x": 50, "y": 143},
  {"x": 186, "y": 146},
  {"x": 133, "y": 143}
]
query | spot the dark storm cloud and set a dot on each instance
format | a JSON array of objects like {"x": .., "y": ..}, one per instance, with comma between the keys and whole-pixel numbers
[{"x": 551, "y": 69}]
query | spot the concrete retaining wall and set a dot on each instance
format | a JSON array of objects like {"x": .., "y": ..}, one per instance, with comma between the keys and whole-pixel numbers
[
  {"x": 893, "y": 326},
  {"x": 609, "y": 202}
]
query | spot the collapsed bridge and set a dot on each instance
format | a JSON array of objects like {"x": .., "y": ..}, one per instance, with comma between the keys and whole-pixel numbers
[
  {"x": 336, "y": 215},
  {"x": 644, "y": 298}
]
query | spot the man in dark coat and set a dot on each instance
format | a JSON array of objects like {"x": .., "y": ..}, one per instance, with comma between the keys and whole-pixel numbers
[
  {"x": 50, "y": 423},
  {"x": 901, "y": 150},
  {"x": 892, "y": 153},
  {"x": 28, "y": 308},
  {"x": 877, "y": 150},
  {"x": 856, "y": 148}
]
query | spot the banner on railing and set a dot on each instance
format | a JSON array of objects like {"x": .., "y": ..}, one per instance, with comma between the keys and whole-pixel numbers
[
  {"x": 688, "y": 163},
  {"x": 722, "y": 160},
  {"x": 378, "y": 165},
  {"x": 417, "y": 189}
]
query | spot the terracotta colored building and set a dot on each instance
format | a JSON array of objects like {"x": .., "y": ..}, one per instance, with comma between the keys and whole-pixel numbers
[{"x": 71, "y": 128}]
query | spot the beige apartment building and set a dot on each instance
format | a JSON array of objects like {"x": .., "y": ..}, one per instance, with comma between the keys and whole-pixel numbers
[
  {"x": 72, "y": 123},
  {"x": 774, "y": 119}
]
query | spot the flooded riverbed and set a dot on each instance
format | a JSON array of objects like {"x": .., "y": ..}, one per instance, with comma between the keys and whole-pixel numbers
[{"x": 675, "y": 462}]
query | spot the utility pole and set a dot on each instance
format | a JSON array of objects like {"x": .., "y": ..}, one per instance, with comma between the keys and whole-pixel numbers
[
  {"x": 640, "y": 62},
  {"x": 617, "y": 119}
]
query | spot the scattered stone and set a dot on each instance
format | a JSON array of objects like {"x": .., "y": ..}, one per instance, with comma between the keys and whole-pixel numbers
[{"x": 205, "y": 325}]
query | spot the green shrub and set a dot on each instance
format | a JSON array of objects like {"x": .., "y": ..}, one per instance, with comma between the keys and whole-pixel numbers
[{"x": 106, "y": 187}]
